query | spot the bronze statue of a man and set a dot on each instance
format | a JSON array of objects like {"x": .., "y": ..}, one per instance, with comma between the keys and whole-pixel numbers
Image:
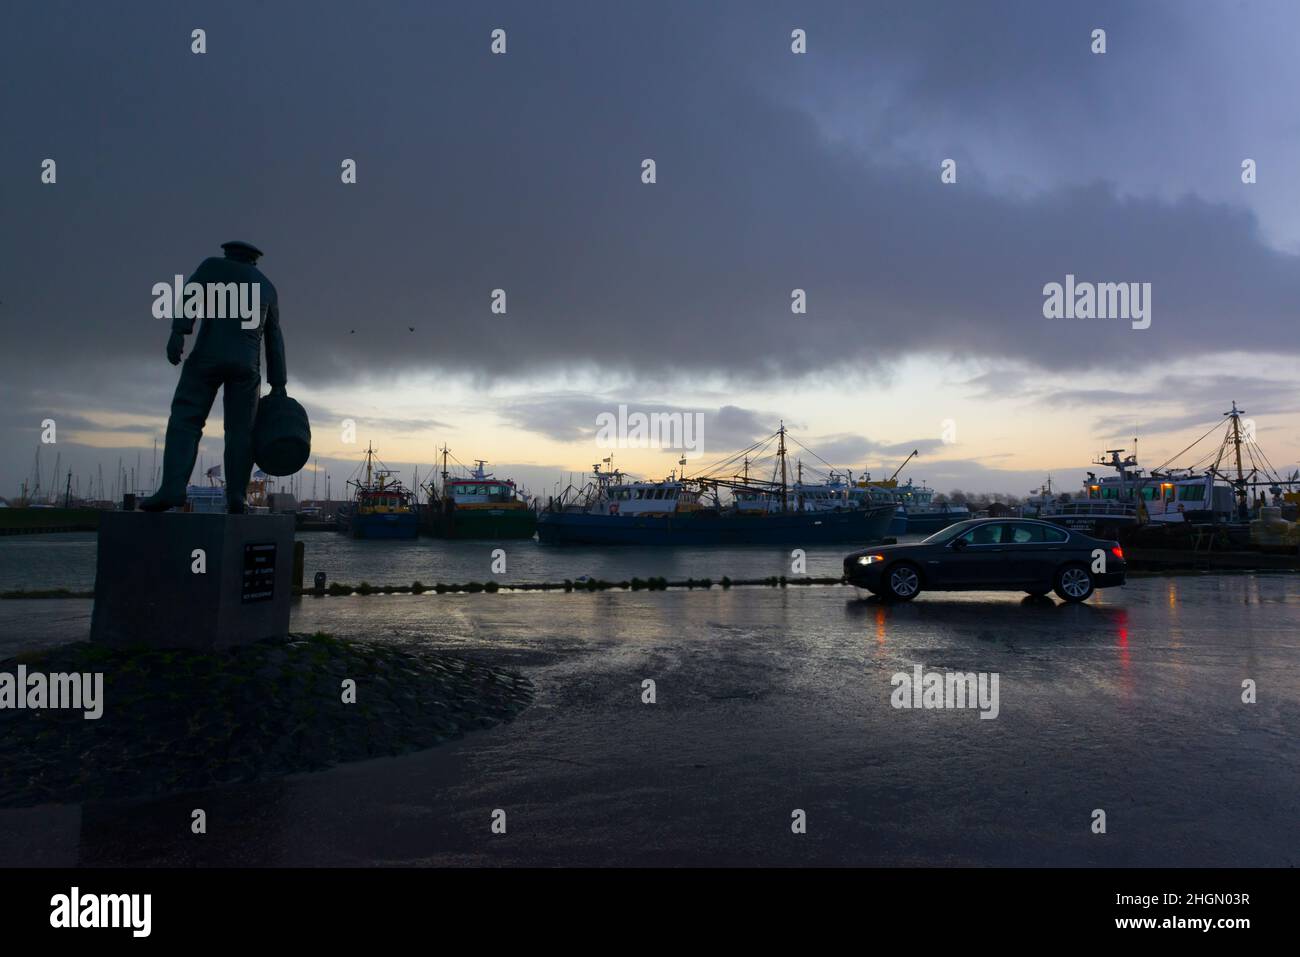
[{"x": 226, "y": 354}]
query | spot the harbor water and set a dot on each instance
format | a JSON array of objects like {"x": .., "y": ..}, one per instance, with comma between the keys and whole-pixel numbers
[{"x": 34, "y": 562}]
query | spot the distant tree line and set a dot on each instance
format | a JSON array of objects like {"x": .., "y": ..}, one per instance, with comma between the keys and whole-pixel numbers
[{"x": 977, "y": 500}]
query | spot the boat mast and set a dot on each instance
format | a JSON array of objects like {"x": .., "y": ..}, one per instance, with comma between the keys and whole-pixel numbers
[
  {"x": 780, "y": 451},
  {"x": 1235, "y": 415}
]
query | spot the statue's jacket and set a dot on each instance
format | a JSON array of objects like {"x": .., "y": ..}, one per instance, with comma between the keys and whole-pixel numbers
[{"x": 223, "y": 344}]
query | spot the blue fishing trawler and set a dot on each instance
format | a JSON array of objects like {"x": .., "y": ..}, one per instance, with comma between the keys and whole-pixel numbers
[{"x": 610, "y": 510}]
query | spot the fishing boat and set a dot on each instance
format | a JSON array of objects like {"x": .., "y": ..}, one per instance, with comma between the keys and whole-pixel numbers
[
  {"x": 917, "y": 511},
  {"x": 613, "y": 510},
  {"x": 477, "y": 506},
  {"x": 1216, "y": 489},
  {"x": 380, "y": 506},
  {"x": 880, "y": 493},
  {"x": 925, "y": 516},
  {"x": 1108, "y": 505}
]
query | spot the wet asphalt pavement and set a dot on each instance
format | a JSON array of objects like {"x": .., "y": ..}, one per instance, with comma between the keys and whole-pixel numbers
[{"x": 771, "y": 700}]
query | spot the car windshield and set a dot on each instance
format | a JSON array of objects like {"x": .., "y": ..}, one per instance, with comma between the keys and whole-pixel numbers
[{"x": 951, "y": 532}]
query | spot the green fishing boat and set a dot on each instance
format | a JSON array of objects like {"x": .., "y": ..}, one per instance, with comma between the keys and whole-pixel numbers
[{"x": 477, "y": 506}]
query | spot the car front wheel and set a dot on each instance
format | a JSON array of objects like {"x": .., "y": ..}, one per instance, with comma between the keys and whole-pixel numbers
[
  {"x": 903, "y": 583},
  {"x": 1073, "y": 583}
]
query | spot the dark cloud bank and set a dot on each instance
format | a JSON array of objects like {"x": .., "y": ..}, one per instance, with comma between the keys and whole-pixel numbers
[{"x": 522, "y": 172}]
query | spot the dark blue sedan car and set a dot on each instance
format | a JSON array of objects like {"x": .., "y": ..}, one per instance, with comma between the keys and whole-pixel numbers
[{"x": 1010, "y": 554}]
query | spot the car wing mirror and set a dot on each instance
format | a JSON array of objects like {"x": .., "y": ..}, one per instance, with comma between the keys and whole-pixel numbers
[{"x": 959, "y": 544}]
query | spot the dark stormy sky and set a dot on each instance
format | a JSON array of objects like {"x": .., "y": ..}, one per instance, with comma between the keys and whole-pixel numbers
[{"x": 775, "y": 171}]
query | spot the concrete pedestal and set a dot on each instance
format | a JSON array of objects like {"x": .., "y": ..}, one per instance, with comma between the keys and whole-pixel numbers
[{"x": 187, "y": 580}]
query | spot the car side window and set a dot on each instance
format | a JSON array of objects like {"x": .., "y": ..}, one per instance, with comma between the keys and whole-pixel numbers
[
  {"x": 984, "y": 535},
  {"x": 1024, "y": 534},
  {"x": 1056, "y": 535}
]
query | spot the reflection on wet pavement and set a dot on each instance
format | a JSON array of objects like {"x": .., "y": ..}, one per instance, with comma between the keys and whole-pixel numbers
[{"x": 770, "y": 700}]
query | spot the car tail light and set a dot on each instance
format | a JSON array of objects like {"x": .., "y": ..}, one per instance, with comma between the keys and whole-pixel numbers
[{"x": 1118, "y": 552}]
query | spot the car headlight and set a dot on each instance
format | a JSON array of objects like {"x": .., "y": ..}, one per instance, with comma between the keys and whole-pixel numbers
[{"x": 870, "y": 559}]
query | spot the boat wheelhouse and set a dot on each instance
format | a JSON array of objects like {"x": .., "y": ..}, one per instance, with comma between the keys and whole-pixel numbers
[
  {"x": 828, "y": 496},
  {"x": 924, "y": 515},
  {"x": 650, "y": 498}
]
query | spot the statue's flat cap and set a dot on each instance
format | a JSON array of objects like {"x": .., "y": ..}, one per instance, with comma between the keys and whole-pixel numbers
[{"x": 240, "y": 249}]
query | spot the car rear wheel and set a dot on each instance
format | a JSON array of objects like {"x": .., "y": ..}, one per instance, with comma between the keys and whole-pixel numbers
[
  {"x": 903, "y": 582},
  {"x": 1073, "y": 583}
]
